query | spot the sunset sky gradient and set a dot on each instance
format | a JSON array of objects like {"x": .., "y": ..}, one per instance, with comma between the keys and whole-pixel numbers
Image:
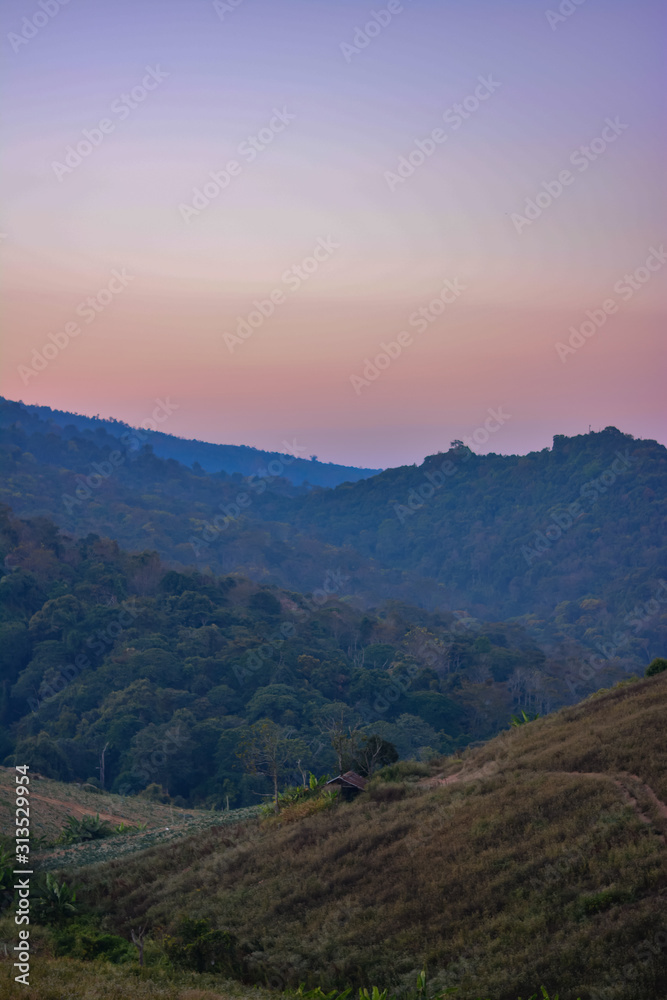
[{"x": 323, "y": 177}]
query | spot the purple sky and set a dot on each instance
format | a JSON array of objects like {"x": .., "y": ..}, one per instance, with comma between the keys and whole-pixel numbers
[{"x": 370, "y": 204}]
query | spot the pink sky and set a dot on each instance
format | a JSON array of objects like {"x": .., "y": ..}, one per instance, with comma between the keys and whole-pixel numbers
[{"x": 324, "y": 178}]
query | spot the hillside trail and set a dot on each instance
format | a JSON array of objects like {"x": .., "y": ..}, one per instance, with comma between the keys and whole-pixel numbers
[
  {"x": 79, "y": 811},
  {"x": 628, "y": 785}
]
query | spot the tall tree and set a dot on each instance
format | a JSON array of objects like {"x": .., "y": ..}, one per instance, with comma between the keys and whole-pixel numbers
[
  {"x": 373, "y": 753},
  {"x": 337, "y": 724},
  {"x": 271, "y": 750}
]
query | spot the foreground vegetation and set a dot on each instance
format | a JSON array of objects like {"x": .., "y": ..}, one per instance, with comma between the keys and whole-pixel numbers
[
  {"x": 57, "y": 978},
  {"x": 54, "y": 979},
  {"x": 536, "y": 858}
]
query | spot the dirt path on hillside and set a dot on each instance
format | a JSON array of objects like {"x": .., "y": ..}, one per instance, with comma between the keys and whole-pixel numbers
[
  {"x": 658, "y": 803},
  {"x": 487, "y": 771},
  {"x": 77, "y": 810},
  {"x": 628, "y": 785}
]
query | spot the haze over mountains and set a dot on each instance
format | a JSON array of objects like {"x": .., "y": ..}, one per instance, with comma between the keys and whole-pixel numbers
[
  {"x": 569, "y": 540},
  {"x": 294, "y": 464}
]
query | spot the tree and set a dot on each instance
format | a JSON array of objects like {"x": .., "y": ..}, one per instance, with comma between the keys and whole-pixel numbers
[
  {"x": 102, "y": 763},
  {"x": 138, "y": 940},
  {"x": 343, "y": 734},
  {"x": 14, "y": 649},
  {"x": 270, "y": 749},
  {"x": 374, "y": 753}
]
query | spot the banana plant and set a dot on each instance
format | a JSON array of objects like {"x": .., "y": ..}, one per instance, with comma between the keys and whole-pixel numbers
[
  {"x": 56, "y": 901},
  {"x": 521, "y": 720},
  {"x": 86, "y": 828},
  {"x": 319, "y": 994},
  {"x": 375, "y": 994}
]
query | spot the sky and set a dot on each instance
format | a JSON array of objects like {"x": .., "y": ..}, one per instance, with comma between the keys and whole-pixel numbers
[{"x": 241, "y": 206}]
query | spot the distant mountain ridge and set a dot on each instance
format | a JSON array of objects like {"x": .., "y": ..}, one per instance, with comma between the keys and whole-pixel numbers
[
  {"x": 569, "y": 541},
  {"x": 212, "y": 458}
]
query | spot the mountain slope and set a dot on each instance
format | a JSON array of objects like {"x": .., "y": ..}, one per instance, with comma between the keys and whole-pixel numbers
[
  {"x": 539, "y": 858},
  {"x": 518, "y": 533},
  {"x": 569, "y": 540},
  {"x": 87, "y": 481},
  {"x": 210, "y": 457}
]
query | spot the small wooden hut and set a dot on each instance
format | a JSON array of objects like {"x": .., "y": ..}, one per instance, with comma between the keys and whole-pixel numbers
[{"x": 350, "y": 784}]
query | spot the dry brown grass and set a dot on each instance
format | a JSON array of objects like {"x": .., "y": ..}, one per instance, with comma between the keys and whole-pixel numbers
[
  {"x": 622, "y": 730},
  {"x": 515, "y": 875},
  {"x": 64, "y": 979}
]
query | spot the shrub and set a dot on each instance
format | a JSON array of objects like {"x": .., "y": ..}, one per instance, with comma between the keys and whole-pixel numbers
[
  {"x": 404, "y": 770},
  {"x": 656, "y": 666},
  {"x": 87, "y": 943},
  {"x": 128, "y": 828},
  {"x": 299, "y": 810},
  {"x": 597, "y": 902},
  {"x": 155, "y": 793},
  {"x": 109, "y": 947},
  {"x": 203, "y": 948}
]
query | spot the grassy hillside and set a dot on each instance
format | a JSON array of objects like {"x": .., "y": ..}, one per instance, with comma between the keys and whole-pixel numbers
[
  {"x": 538, "y": 858},
  {"x": 55, "y": 800},
  {"x": 56, "y": 979}
]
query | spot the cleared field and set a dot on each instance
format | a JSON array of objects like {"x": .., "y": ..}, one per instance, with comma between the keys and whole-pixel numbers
[{"x": 53, "y": 801}]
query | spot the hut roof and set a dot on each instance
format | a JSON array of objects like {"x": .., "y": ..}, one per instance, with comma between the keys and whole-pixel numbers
[{"x": 349, "y": 780}]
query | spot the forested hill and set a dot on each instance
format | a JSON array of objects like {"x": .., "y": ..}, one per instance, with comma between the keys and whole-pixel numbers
[
  {"x": 167, "y": 670},
  {"x": 572, "y": 534},
  {"x": 291, "y": 461},
  {"x": 569, "y": 540}
]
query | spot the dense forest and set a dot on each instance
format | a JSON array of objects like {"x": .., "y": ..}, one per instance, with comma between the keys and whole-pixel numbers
[
  {"x": 119, "y": 670},
  {"x": 568, "y": 541}
]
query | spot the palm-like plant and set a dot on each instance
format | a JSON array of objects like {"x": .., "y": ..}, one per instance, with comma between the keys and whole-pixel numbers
[
  {"x": 521, "y": 720},
  {"x": 56, "y": 902},
  {"x": 86, "y": 828},
  {"x": 374, "y": 994}
]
